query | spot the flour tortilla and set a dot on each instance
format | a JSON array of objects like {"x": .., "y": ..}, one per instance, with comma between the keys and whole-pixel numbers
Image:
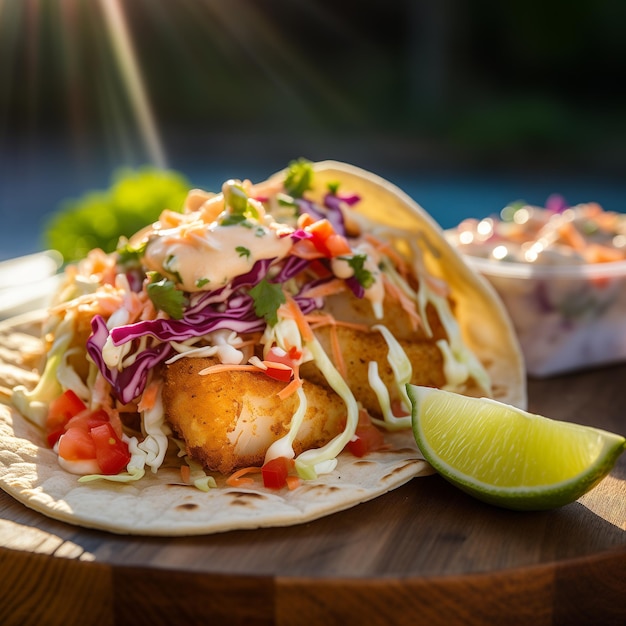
[
  {"x": 159, "y": 504},
  {"x": 485, "y": 325}
]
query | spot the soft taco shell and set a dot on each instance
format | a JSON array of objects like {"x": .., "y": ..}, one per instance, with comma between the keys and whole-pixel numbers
[
  {"x": 159, "y": 504},
  {"x": 484, "y": 322}
]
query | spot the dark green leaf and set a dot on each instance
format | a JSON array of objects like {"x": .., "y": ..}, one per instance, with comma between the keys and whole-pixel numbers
[
  {"x": 299, "y": 177},
  {"x": 267, "y": 298},
  {"x": 165, "y": 296},
  {"x": 363, "y": 275}
]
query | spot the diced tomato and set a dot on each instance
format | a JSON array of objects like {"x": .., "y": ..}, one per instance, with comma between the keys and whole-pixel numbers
[
  {"x": 294, "y": 354},
  {"x": 277, "y": 355},
  {"x": 280, "y": 372},
  {"x": 367, "y": 437},
  {"x": 319, "y": 269},
  {"x": 85, "y": 435},
  {"x": 53, "y": 436},
  {"x": 60, "y": 411},
  {"x": 275, "y": 472},
  {"x": 88, "y": 420},
  {"x": 285, "y": 363},
  {"x": 111, "y": 452},
  {"x": 337, "y": 245},
  {"x": 77, "y": 444},
  {"x": 326, "y": 240}
]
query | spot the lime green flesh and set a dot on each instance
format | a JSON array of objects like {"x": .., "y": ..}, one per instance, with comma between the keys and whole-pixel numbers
[{"x": 507, "y": 456}]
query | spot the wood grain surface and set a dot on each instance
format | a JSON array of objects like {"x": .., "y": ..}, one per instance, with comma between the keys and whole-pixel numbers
[{"x": 423, "y": 554}]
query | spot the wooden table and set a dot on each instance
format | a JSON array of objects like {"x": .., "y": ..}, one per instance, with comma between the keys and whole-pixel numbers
[{"x": 423, "y": 554}]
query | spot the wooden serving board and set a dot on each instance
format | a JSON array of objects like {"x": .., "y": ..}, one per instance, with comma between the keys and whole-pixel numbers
[{"x": 425, "y": 553}]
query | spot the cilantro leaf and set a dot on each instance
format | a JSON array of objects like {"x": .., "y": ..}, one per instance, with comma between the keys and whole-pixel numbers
[
  {"x": 363, "y": 275},
  {"x": 299, "y": 177},
  {"x": 267, "y": 298},
  {"x": 243, "y": 251},
  {"x": 165, "y": 296}
]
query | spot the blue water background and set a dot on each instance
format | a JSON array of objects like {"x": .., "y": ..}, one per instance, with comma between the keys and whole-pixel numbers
[{"x": 31, "y": 189}]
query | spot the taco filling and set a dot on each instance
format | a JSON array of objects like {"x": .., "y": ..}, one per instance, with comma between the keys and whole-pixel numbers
[{"x": 270, "y": 327}]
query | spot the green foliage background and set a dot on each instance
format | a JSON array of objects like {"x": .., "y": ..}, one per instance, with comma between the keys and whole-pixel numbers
[{"x": 98, "y": 219}]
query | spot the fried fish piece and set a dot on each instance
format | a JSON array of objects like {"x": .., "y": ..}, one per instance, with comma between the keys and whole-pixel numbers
[
  {"x": 346, "y": 307},
  {"x": 229, "y": 419},
  {"x": 358, "y": 348}
]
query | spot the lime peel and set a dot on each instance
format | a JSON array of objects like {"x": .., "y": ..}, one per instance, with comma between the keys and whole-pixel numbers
[{"x": 506, "y": 456}]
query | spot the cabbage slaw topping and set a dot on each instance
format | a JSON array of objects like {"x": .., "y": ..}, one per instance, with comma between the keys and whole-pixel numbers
[
  {"x": 555, "y": 235},
  {"x": 251, "y": 262}
]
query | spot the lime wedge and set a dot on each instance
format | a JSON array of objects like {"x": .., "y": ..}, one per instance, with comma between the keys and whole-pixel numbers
[{"x": 506, "y": 456}]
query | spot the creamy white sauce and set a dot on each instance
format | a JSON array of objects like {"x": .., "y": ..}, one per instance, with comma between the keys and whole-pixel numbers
[{"x": 215, "y": 254}]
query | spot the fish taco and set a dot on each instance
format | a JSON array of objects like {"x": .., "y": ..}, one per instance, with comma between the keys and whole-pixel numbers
[{"x": 243, "y": 363}]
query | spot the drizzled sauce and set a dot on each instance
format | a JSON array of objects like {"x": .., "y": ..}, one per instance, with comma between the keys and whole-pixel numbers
[{"x": 209, "y": 255}]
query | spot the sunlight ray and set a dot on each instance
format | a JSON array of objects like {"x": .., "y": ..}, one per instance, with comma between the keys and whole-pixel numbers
[{"x": 122, "y": 47}]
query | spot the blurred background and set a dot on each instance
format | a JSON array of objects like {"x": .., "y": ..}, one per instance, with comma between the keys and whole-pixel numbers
[{"x": 466, "y": 105}]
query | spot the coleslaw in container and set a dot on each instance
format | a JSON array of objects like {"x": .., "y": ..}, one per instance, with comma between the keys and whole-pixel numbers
[{"x": 561, "y": 273}]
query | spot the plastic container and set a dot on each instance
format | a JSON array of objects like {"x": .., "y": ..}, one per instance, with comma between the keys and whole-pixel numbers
[{"x": 567, "y": 317}]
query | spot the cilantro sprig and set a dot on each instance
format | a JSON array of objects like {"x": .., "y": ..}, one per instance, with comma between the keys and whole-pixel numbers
[
  {"x": 166, "y": 296},
  {"x": 361, "y": 273},
  {"x": 267, "y": 299}
]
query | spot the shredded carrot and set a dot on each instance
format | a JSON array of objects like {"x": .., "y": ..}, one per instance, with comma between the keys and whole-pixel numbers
[
  {"x": 290, "y": 388},
  {"x": 405, "y": 302},
  {"x": 329, "y": 288},
  {"x": 340, "y": 364},
  {"x": 253, "y": 340},
  {"x": 324, "y": 319},
  {"x": 291, "y": 310},
  {"x": 185, "y": 473},
  {"x": 285, "y": 392},
  {"x": 133, "y": 305},
  {"x": 239, "y": 478},
  {"x": 149, "y": 397},
  {"x": 293, "y": 482},
  {"x": 229, "y": 367},
  {"x": 317, "y": 320},
  {"x": 389, "y": 251},
  {"x": 148, "y": 311},
  {"x": 305, "y": 249}
]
